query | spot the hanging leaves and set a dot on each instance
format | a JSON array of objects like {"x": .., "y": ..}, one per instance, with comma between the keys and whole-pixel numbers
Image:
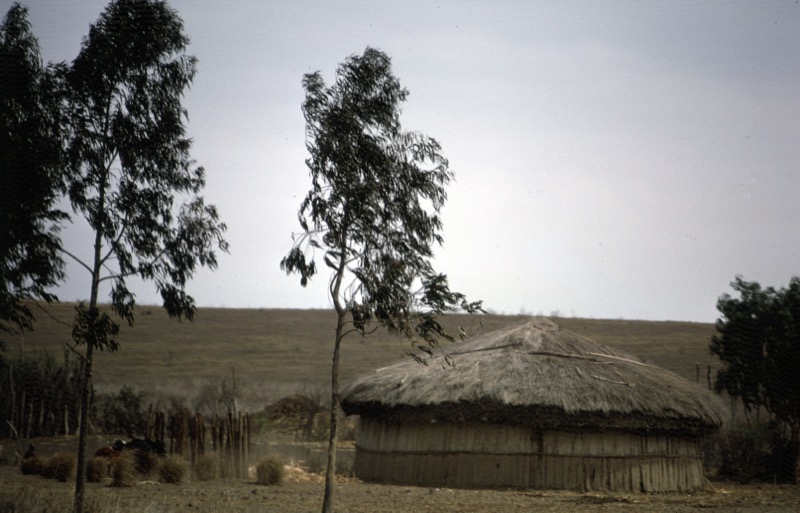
[{"x": 374, "y": 204}]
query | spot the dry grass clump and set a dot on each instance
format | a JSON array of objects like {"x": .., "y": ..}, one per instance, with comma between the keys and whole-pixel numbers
[
  {"x": 132, "y": 466},
  {"x": 60, "y": 466},
  {"x": 172, "y": 470},
  {"x": 206, "y": 467},
  {"x": 146, "y": 462},
  {"x": 32, "y": 466},
  {"x": 270, "y": 471},
  {"x": 97, "y": 469},
  {"x": 123, "y": 470}
]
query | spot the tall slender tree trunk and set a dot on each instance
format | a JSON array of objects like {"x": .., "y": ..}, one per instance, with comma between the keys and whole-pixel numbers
[
  {"x": 341, "y": 317},
  {"x": 13, "y": 413},
  {"x": 86, "y": 386},
  {"x": 83, "y": 431},
  {"x": 795, "y": 444},
  {"x": 330, "y": 471}
]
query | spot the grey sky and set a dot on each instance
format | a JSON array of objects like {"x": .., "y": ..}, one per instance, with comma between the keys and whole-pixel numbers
[{"x": 613, "y": 159}]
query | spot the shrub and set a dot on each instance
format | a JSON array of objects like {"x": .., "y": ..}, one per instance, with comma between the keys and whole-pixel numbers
[
  {"x": 32, "y": 466},
  {"x": 270, "y": 471},
  {"x": 146, "y": 463},
  {"x": 124, "y": 412},
  {"x": 97, "y": 469},
  {"x": 206, "y": 467},
  {"x": 123, "y": 470},
  {"x": 754, "y": 452},
  {"x": 172, "y": 470},
  {"x": 60, "y": 466}
]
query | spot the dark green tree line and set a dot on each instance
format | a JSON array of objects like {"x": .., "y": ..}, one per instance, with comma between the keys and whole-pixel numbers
[
  {"x": 30, "y": 169},
  {"x": 38, "y": 395},
  {"x": 758, "y": 342}
]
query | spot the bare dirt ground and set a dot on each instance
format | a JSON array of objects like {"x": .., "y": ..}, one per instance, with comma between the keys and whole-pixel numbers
[{"x": 302, "y": 492}]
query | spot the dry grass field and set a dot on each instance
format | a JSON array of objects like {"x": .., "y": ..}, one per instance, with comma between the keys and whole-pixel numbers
[
  {"x": 302, "y": 493},
  {"x": 278, "y": 352}
]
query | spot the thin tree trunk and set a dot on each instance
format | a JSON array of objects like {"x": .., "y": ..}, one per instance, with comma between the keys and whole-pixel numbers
[
  {"x": 330, "y": 471},
  {"x": 83, "y": 423},
  {"x": 86, "y": 390},
  {"x": 795, "y": 444},
  {"x": 13, "y": 413},
  {"x": 341, "y": 316}
]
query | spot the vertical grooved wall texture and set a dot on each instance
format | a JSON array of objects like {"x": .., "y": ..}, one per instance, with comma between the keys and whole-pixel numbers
[{"x": 498, "y": 455}]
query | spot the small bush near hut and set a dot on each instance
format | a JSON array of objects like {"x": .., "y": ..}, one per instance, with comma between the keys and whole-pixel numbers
[
  {"x": 97, "y": 469},
  {"x": 123, "y": 471},
  {"x": 270, "y": 471},
  {"x": 61, "y": 466},
  {"x": 755, "y": 452},
  {"x": 172, "y": 470},
  {"x": 32, "y": 466},
  {"x": 206, "y": 467}
]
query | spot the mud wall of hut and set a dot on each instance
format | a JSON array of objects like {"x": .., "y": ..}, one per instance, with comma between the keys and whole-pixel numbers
[{"x": 497, "y": 455}]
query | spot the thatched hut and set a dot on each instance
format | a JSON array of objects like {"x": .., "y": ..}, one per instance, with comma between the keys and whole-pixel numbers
[{"x": 532, "y": 406}]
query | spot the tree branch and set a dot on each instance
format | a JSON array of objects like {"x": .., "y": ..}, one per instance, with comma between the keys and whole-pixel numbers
[
  {"x": 78, "y": 260},
  {"x": 77, "y": 353},
  {"x": 50, "y": 314}
]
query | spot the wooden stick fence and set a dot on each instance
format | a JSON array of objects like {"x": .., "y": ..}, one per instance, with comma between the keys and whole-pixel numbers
[{"x": 230, "y": 439}]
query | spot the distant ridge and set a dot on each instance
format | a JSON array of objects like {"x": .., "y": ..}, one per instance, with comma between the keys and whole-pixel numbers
[{"x": 292, "y": 348}]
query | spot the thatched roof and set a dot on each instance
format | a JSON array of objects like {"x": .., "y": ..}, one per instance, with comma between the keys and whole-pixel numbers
[{"x": 538, "y": 374}]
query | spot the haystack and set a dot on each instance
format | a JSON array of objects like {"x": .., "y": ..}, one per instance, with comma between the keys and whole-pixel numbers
[{"x": 532, "y": 406}]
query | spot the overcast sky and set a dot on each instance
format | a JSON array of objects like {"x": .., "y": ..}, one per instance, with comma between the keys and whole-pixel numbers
[{"x": 612, "y": 159}]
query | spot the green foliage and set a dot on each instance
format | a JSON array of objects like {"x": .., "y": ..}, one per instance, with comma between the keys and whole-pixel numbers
[
  {"x": 270, "y": 471},
  {"x": 124, "y": 412},
  {"x": 95, "y": 328},
  {"x": 758, "y": 451},
  {"x": 29, "y": 174},
  {"x": 758, "y": 342},
  {"x": 373, "y": 213},
  {"x": 128, "y": 155},
  {"x": 128, "y": 160},
  {"x": 373, "y": 208}
]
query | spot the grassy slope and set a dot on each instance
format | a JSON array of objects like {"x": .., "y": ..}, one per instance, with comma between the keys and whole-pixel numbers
[{"x": 278, "y": 351}]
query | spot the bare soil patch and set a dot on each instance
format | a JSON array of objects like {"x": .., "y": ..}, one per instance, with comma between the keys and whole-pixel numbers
[{"x": 302, "y": 492}]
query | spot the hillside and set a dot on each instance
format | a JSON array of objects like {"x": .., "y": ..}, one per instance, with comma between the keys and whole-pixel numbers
[{"x": 277, "y": 352}]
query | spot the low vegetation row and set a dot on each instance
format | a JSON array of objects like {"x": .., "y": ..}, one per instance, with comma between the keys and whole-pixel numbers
[
  {"x": 217, "y": 444},
  {"x": 131, "y": 467}
]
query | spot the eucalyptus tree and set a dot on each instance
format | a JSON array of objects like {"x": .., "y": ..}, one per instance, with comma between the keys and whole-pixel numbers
[
  {"x": 131, "y": 176},
  {"x": 372, "y": 214},
  {"x": 30, "y": 262}
]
